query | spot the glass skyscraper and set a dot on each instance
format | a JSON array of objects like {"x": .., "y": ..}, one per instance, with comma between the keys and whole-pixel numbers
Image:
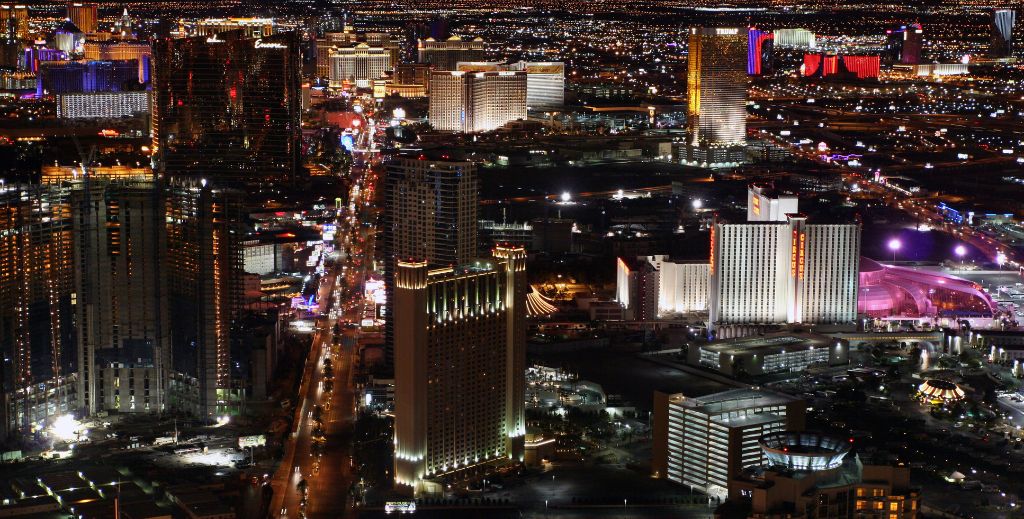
[
  {"x": 227, "y": 108},
  {"x": 717, "y": 97}
]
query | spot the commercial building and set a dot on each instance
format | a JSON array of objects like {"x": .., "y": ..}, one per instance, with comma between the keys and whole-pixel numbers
[
  {"x": 13, "y": 22},
  {"x": 760, "y": 52},
  {"x": 717, "y": 97},
  {"x": 1003, "y": 21},
  {"x": 774, "y": 272},
  {"x": 84, "y": 16},
  {"x": 102, "y": 105},
  {"x": 430, "y": 212},
  {"x": 705, "y": 442},
  {"x": 766, "y": 205},
  {"x": 250, "y": 28},
  {"x": 795, "y": 38},
  {"x": 477, "y": 101},
  {"x": 905, "y": 293},
  {"x": 205, "y": 293},
  {"x": 813, "y": 475},
  {"x": 841, "y": 66},
  {"x": 649, "y": 287},
  {"x": 117, "y": 293},
  {"x": 37, "y": 332},
  {"x": 412, "y": 74},
  {"x": 786, "y": 352},
  {"x": 903, "y": 45},
  {"x": 459, "y": 369},
  {"x": 63, "y": 77},
  {"x": 545, "y": 81},
  {"x": 54, "y": 174},
  {"x": 359, "y": 65},
  {"x": 139, "y": 51},
  {"x": 636, "y": 289},
  {"x": 446, "y": 54},
  {"x": 123, "y": 326},
  {"x": 69, "y": 38},
  {"x": 227, "y": 108}
]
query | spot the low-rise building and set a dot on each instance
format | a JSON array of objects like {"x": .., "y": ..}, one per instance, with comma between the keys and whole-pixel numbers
[
  {"x": 784, "y": 352},
  {"x": 811, "y": 475}
]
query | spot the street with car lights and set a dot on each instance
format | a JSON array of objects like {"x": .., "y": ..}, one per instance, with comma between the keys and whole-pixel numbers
[{"x": 315, "y": 474}]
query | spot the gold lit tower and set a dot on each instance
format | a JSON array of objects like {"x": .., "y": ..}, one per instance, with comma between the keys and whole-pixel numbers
[{"x": 717, "y": 97}]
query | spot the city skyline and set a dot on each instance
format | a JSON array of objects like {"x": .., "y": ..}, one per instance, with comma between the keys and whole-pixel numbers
[{"x": 296, "y": 260}]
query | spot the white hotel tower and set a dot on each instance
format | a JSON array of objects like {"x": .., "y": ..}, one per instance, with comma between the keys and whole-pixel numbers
[
  {"x": 476, "y": 101},
  {"x": 782, "y": 270}
]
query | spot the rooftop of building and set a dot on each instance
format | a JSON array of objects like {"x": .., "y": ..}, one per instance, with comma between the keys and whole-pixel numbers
[
  {"x": 768, "y": 191},
  {"x": 816, "y": 220},
  {"x": 733, "y": 400},
  {"x": 769, "y": 343}
]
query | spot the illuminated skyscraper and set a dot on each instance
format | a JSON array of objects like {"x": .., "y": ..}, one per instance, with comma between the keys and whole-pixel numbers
[
  {"x": 717, "y": 96},
  {"x": 84, "y": 16},
  {"x": 430, "y": 213},
  {"x": 204, "y": 286},
  {"x": 795, "y": 38},
  {"x": 476, "y": 101},
  {"x": 1003, "y": 21},
  {"x": 903, "y": 45},
  {"x": 545, "y": 81},
  {"x": 459, "y": 369},
  {"x": 37, "y": 376},
  {"x": 227, "y": 108},
  {"x": 445, "y": 55},
  {"x": 781, "y": 269},
  {"x": 359, "y": 65},
  {"x": 760, "y": 52},
  {"x": 13, "y": 22}
]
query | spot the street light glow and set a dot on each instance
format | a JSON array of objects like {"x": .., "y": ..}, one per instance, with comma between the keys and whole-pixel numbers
[
  {"x": 895, "y": 244},
  {"x": 960, "y": 250},
  {"x": 566, "y": 197}
]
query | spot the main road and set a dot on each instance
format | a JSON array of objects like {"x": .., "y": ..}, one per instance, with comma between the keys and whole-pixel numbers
[{"x": 322, "y": 459}]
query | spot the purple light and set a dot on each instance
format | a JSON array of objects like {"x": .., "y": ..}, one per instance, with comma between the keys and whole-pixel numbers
[
  {"x": 960, "y": 250},
  {"x": 895, "y": 244}
]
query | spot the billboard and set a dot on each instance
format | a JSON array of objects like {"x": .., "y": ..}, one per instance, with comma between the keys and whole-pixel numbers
[{"x": 257, "y": 440}]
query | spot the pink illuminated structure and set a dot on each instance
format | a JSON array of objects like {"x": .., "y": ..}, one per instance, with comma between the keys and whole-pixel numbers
[{"x": 890, "y": 291}]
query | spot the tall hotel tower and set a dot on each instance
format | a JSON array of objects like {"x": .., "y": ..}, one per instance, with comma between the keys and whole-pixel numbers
[
  {"x": 226, "y": 108},
  {"x": 717, "y": 97},
  {"x": 430, "y": 213},
  {"x": 459, "y": 369},
  {"x": 476, "y": 101},
  {"x": 1003, "y": 21},
  {"x": 782, "y": 269}
]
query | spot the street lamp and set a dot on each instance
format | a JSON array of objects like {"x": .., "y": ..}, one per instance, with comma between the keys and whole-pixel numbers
[
  {"x": 697, "y": 204},
  {"x": 894, "y": 246},
  {"x": 566, "y": 197},
  {"x": 1000, "y": 260},
  {"x": 961, "y": 251}
]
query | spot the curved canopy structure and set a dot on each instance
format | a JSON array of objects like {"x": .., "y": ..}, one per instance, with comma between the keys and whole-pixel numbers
[
  {"x": 804, "y": 451},
  {"x": 944, "y": 390},
  {"x": 537, "y": 305},
  {"x": 891, "y": 291}
]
